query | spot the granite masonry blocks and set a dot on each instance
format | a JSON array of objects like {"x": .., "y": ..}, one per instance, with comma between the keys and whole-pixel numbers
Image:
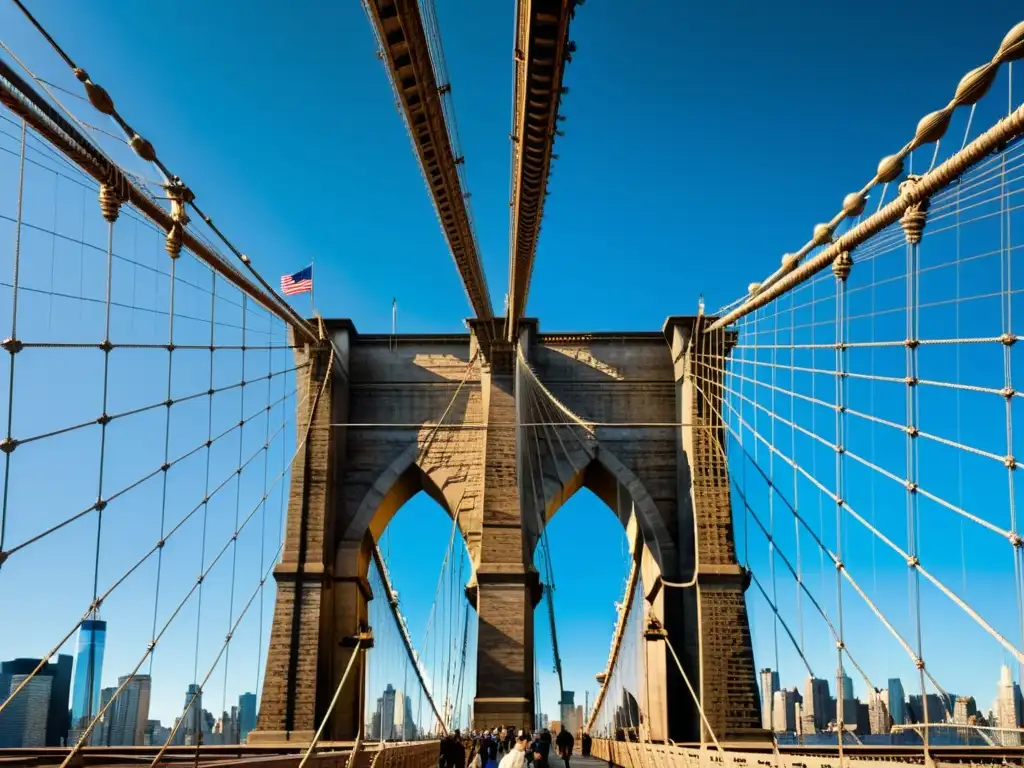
[{"x": 615, "y": 378}]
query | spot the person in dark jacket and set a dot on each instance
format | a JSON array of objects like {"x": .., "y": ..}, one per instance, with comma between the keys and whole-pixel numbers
[
  {"x": 585, "y": 741},
  {"x": 541, "y": 749},
  {"x": 564, "y": 742},
  {"x": 489, "y": 751},
  {"x": 446, "y": 754},
  {"x": 458, "y": 751}
]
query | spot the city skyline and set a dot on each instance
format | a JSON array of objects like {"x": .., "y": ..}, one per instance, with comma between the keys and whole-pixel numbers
[
  {"x": 813, "y": 707},
  {"x": 41, "y": 714}
]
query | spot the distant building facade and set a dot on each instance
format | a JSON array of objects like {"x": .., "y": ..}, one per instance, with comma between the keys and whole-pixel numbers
[
  {"x": 85, "y": 692},
  {"x": 769, "y": 681}
]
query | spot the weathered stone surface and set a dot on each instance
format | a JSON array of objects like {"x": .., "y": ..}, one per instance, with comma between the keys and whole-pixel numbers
[{"x": 400, "y": 415}]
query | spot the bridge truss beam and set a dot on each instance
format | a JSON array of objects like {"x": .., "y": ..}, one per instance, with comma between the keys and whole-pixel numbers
[
  {"x": 404, "y": 48},
  {"x": 541, "y": 50}
]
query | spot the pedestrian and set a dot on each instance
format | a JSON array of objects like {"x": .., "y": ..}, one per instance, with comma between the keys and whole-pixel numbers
[
  {"x": 585, "y": 744},
  {"x": 541, "y": 748},
  {"x": 458, "y": 751},
  {"x": 516, "y": 757},
  {"x": 564, "y": 743},
  {"x": 446, "y": 754},
  {"x": 489, "y": 751}
]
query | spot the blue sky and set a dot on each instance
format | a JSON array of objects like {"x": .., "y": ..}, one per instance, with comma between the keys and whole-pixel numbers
[{"x": 691, "y": 162}]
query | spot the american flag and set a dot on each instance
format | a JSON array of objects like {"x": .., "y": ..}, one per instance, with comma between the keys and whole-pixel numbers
[{"x": 300, "y": 282}]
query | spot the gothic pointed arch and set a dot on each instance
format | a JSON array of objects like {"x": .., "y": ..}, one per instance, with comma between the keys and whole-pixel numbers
[
  {"x": 408, "y": 474},
  {"x": 624, "y": 494}
]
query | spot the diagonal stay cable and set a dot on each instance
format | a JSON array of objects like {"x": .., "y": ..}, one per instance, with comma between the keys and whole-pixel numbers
[
  {"x": 912, "y": 562},
  {"x": 70, "y": 758},
  {"x": 150, "y": 475},
  {"x": 403, "y": 628},
  {"x": 420, "y": 455},
  {"x": 918, "y": 661},
  {"x": 165, "y": 403},
  {"x": 201, "y": 578},
  {"x": 549, "y": 573},
  {"x": 392, "y": 597},
  {"x": 94, "y": 606}
]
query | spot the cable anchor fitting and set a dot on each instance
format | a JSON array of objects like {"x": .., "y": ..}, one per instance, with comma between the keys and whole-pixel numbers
[
  {"x": 180, "y": 196},
  {"x": 110, "y": 202},
  {"x": 842, "y": 265},
  {"x": 916, "y": 215},
  {"x": 654, "y": 631},
  {"x": 361, "y": 639}
]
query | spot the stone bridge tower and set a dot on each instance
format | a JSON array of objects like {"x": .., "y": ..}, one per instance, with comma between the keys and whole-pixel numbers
[{"x": 436, "y": 413}]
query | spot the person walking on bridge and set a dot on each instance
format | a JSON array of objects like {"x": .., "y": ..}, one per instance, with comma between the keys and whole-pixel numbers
[
  {"x": 489, "y": 751},
  {"x": 446, "y": 754},
  {"x": 541, "y": 748},
  {"x": 516, "y": 757},
  {"x": 564, "y": 742},
  {"x": 458, "y": 751}
]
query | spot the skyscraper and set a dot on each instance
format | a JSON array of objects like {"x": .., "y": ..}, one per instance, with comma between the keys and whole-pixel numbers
[
  {"x": 191, "y": 730},
  {"x": 85, "y": 696},
  {"x": 59, "y": 672},
  {"x": 100, "y": 736},
  {"x": 398, "y": 727},
  {"x": 897, "y": 702},
  {"x": 23, "y": 722},
  {"x": 246, "y": 714},
  {"x": 784, "y": 710},
  {"x": 846, "y": 688},
  {"x": 409, "y": 727},
  {"x": 58, "y": 722},
  {"x": 128, "y": 715},
  {"x": 1008, "y": 706},
  {"x": 386, "y": 707},
  {"x": 769, "y": 685},
  {"x": 878, "y": 711},
  {"x": 818, "y": 706}
]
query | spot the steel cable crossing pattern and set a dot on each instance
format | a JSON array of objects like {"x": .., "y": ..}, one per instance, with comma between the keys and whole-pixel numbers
[
  {"x": 121, "y": 342},
  {"x": 915, "y": 320},
  {"x": 104, "y": 104}
]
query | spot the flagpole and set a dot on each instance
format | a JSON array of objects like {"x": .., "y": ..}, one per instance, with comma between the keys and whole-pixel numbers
[
  {"x": 394, "y": 323},
  {"x": 312, "y": 285}
]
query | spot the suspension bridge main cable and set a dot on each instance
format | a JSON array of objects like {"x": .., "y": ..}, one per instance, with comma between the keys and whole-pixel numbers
[{"x": 115, "y": 178}]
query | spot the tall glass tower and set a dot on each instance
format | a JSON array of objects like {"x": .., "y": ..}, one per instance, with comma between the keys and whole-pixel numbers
[{"x": 85, "y": 696}]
